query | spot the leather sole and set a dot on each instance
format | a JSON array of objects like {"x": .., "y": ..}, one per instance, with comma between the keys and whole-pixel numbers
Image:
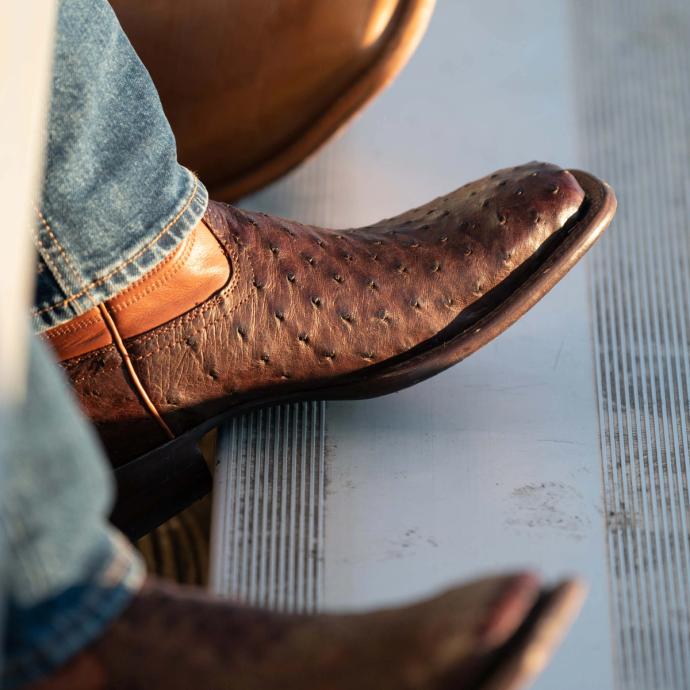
[{"x": 453, "y": 344}]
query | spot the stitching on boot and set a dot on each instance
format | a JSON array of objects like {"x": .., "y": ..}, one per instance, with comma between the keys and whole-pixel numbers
[
  {"x": 203, "y": 308},
  {"x": 178, "y": 263},
  {"x": 136, "y": 381},
  {"x": 131, "y": 259}
]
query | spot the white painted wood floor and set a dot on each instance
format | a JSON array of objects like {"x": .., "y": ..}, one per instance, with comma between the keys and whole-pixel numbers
[{"x": 512, "y": 459}]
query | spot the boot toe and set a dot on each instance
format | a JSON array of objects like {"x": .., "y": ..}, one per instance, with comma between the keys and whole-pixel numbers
[
  {"x": 502, "y": 220},
  {"x": 519, "y": 208}
]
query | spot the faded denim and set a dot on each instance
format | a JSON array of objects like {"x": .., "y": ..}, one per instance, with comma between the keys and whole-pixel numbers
[
  {"x": 115, "y": 200},
  {"x": 65, "y": 571}
]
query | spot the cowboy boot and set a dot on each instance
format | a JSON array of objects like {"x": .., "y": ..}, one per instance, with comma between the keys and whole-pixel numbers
[
  {"x": 252, "y": 310},
  {"x": 270, "y": 81},
  {"x": 493, "y": 634}
]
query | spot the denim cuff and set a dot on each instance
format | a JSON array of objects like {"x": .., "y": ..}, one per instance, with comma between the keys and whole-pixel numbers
[
  {"x": 43, "y": 637},
  {"x": 71, "y": 281}
]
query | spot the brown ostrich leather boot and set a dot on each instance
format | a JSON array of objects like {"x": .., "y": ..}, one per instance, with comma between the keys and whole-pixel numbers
[
  {"x": 492, "y": 634},
  {"x": 252, "y": 310}
]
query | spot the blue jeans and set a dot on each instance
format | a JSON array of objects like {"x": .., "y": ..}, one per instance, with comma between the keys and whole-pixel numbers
[
  {"x": 115, "y": 202},
  {"x": 67, "y": 572},
  {"x": 115, "y": 199}
]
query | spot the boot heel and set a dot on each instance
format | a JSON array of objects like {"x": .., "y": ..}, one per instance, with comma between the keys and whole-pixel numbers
[{"x": 156, "y": 486}]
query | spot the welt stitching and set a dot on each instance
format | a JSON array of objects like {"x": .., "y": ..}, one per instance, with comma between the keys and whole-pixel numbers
[
  {"x": 199, "y": 311},
  {"x": 220, "y": 297},
  {"x": 69, "y": 328},
  {"x": 131, "y": 259},
  {"x": 206, "y": 325},
  {"x": 176, "y": 268},
  {"x": 90, "y": 355},
  {"x": 226, "y": 292},
  {"x": 105, "y": 370}
]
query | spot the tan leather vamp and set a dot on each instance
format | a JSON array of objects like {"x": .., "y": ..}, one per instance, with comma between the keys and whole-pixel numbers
[
  {"x": 82, "y": 334},
  {"x": 196, "y": 269}
]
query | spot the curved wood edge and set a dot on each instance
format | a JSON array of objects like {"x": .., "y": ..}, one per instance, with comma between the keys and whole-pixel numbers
[{"x": 408, "y": 26}]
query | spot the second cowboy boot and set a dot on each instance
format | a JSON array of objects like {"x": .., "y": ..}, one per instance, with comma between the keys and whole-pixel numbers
[
  {"x": 496, "y": 633},
  {"x": 252, "y": 310}
]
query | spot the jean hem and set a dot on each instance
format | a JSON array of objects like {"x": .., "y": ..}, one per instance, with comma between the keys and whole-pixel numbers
[
  {"x": 76, "y": 618},
  {"x": 162, "y": 240}
]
